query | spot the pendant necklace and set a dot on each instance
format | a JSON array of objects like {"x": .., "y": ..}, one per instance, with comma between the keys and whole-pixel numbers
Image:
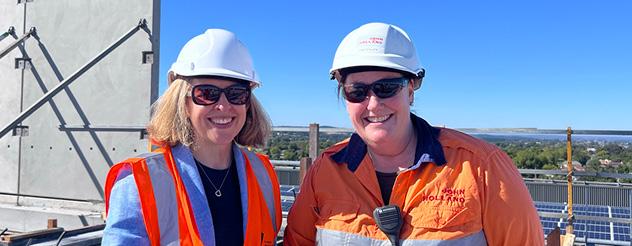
[{"x": 218, "y": 191}]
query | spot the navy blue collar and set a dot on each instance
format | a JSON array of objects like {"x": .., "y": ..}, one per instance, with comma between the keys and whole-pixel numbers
[{"x": 428, "y": 148}]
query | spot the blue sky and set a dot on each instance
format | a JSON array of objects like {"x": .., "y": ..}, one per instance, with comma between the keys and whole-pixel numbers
[{"x": 543, "y": 64}]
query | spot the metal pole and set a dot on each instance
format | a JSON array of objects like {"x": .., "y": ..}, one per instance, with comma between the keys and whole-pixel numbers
[
  {"x": 71, "y": 78},
  {"x": 16, "y": 42},
  {"x": 313, "y": 140},
  {"x": 306, "y": 162},
  {"x": 569, "y": 179},
  {"x": 45, "y": 197},
  {"x": 60, "y": 238}
]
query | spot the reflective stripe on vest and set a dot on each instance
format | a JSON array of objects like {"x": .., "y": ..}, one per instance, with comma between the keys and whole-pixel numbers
[
  {"x": 333, "y": 237},
  {"x": 265, "y": 184},
  {"x": 258, "y": 213},
  {"x": 158, "y": 171},
  {"x": 139, "y": 170},
  {"x": 164, "y": 192}
]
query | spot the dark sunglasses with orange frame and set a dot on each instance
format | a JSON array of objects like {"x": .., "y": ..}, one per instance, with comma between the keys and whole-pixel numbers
[{"x": 237, "y": 94}]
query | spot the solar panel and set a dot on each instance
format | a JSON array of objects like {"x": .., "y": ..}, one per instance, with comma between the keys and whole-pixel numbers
[
  {"x": 598, "y": 211},
  {"x": 289, "y": 190},
  {"x": 620, "y": 212},
  {"x": 286, "y": 205},
  {"x": 621, "y": 232},
  {"x": 549, "y": 207},
  {"x": 608, "y": 231},
  {"x": 549, "y": 224}
]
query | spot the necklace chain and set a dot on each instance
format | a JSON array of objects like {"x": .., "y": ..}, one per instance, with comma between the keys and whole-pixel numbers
[{"x": 218, "y": 191}]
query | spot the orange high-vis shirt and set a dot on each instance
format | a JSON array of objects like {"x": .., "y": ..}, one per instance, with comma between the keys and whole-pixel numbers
[{"x": 463, "y": 192}]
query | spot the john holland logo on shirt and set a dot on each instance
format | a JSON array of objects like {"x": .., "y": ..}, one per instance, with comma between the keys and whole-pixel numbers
[{"x": 448, "y": 194}]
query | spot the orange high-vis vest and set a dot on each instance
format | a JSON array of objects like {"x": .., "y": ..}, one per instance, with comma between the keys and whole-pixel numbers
[{"x": 165, "y": 201}]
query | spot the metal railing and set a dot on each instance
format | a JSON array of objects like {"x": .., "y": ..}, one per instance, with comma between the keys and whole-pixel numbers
[
  {"x": 577, "y": 173},
  {"x": 583, "y": 193}
]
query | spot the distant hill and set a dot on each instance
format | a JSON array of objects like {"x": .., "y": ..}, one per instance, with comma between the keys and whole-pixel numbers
[
  {"x": 323, "y": 129},
  {"x": 329, "y": 129}
]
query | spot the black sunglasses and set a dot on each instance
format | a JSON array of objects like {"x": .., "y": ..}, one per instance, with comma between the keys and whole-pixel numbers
[
  {"x": 383, "y": 88},
  {"x": 237, "y": 94}
]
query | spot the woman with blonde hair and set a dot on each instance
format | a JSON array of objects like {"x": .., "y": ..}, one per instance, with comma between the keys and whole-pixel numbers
[{"x": 201, "y": 186}]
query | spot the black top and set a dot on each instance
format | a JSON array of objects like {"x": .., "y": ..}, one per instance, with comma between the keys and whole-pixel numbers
[
  {"x": 225, "y": 209},
  {"x": 386, "y": 181}
]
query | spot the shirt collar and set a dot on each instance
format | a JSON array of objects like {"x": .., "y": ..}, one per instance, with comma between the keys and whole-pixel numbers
[{"x": 428, "y": 148}]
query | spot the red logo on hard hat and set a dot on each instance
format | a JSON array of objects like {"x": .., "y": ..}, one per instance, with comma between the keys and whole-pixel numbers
[{"x": 374, "y": 40}]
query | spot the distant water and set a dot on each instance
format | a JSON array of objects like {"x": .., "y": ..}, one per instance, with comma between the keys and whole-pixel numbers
[{"x": 554, "y": 137}]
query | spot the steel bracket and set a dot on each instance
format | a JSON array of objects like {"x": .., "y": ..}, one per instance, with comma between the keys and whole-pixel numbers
[
  {"x": 21, "y": 131},
  {"x": 23, "y": 63},
  {"x": 148, "y": 57},
  {"x": 144, "y": 134}
]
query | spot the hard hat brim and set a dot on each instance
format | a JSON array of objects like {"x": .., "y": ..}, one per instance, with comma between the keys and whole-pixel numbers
[
  {"x": 372, "y": 61},
  {"x": 217, "y": 72}
]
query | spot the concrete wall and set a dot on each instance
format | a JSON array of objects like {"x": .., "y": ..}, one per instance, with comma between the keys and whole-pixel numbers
[
  {"x": 10, "y": 82},
  {"x": 58, "y": 159}
]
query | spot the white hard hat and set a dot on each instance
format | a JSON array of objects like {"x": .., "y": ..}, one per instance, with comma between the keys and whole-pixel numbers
[
  {"x": 378, "y": 45},
  {"x": 216, "y": 52}
]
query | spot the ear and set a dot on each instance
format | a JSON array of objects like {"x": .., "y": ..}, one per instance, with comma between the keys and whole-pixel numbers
[
  {"x": 411, "y": 93},
  {"x": 187, "y": 104},
  {"x": 171, "y": 76},
  {"x": 417, "y": 82}
]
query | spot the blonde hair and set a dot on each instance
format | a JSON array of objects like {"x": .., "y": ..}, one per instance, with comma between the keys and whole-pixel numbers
[{"x": 170, "y": 124}]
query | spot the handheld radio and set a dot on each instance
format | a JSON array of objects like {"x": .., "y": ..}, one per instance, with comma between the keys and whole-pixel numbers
[{"x": 389, "y": 220}]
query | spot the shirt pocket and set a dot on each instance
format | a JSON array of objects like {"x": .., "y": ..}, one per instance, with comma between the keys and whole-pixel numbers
[
  {"x": 339, "y": 210},
  {"x": 440, "y": 217}
]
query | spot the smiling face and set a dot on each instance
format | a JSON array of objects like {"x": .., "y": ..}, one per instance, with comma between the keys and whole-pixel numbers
[
  {"x": 377, "y": 120},
  {"x": 217, "y": 123}
]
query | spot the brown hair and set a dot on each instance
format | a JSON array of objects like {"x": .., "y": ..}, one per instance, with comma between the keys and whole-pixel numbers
[{"x": 170, "y": 124}]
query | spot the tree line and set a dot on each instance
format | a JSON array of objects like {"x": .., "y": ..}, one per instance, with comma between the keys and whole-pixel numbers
[
  {"x": 551, "y": 154},
  {"x": 295, "y": 145},
  {"x": 526, "y": 153}
]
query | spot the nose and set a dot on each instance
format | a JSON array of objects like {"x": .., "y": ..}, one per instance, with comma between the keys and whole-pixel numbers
[
  {"x": 373, "y": 101},
  {"x": 222, "y": 103}
]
